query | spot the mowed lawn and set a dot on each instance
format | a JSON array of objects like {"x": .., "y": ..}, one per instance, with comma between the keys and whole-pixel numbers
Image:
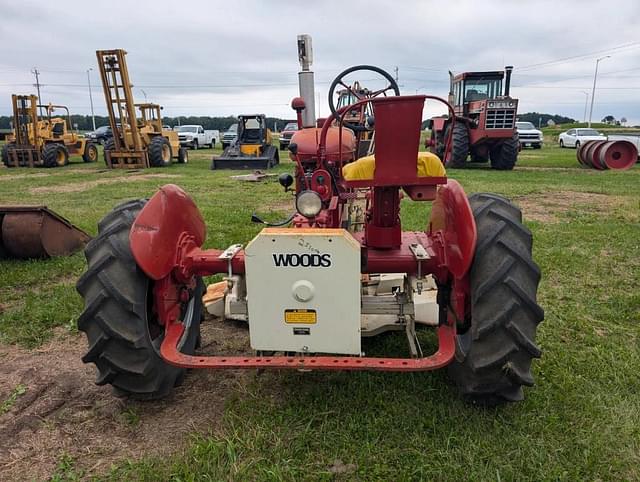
[{"x": 580, "y": 422}]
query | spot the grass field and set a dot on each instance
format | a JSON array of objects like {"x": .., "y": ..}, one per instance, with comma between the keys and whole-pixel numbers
[{"x": 580, "y": 421}]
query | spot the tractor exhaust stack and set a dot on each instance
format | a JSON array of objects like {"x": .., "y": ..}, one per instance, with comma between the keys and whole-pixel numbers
[
  {"x": 305, "y": 80},
  {"x": 507, "y": 80}
]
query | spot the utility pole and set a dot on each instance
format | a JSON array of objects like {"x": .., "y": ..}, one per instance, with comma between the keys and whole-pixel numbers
[
  {"x": 93, "y": 117},
  {"x": 36, "y": 72},
  {"x": 586, "y": 103},
  {"x": 396, "y": 71},
  {"x": 593, "y": 92}
]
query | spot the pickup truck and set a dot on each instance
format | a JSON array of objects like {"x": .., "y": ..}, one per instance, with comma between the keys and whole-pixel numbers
[
  {"x": 286, "y": 134},
  {"x": 230, "y": 136},
  {"x": 194, "y": 136}
]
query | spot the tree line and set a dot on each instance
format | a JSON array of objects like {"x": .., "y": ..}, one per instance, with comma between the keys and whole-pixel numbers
[{"x": 84, "y": 122}]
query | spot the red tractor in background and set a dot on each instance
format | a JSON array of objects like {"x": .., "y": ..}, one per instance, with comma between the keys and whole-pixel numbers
[
  {"x": 484, "y": 126},
  {"x": 305, "y": 291}
]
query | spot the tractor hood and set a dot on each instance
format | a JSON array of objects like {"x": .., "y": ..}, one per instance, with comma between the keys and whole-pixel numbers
[{"x": 308, "y": 139}]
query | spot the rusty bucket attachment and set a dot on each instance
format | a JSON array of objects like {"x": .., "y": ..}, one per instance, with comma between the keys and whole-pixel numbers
[{"x": 37, "y": 232}]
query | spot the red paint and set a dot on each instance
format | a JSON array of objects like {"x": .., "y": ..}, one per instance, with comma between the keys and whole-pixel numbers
[
  {"x": 444, "y": 356},
  {"x": 160, "y": 227}
]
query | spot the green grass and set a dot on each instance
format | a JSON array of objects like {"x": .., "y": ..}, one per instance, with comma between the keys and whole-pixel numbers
[{"x": 580, "y": 421}]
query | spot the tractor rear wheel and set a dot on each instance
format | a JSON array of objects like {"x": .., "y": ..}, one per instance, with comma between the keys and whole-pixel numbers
[
  {"x": 122, "y": 329},
  {"x": 459, "y": 147},
  {"x": 109, "y": 144},
  {"x": 55, "y": 155},
  {"x": 505, "y": 154},
  {"x": 183, "y": 155},
  {"x": 160, "y": 153},
  {"x": 493, "y": 356},
  {"x": 90, "y": 152}
]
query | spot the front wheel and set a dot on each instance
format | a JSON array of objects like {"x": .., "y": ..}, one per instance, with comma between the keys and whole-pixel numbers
[
  {"x": 90, "y": 153},
  {"x": 55, "y": 155},
  {"x": 504, "y": 155},
  {"x": 183, "y": 155},
  {"x": 577, "y": 145},
  {"x": 160, "y": 152},
  {"x": 194, "y": 145},
  {"x": 561, "y": 144},
  {"x": 494, "y": 354},
  {"x": 123, "y": 332}
]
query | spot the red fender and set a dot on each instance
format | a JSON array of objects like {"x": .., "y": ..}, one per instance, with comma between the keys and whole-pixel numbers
[
  {"x": 166, "y": 220},
  {"x": 452, "y": 220}
]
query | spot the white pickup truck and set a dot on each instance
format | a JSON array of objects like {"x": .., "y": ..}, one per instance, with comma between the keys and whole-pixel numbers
[{"x": 195, "y": 136}]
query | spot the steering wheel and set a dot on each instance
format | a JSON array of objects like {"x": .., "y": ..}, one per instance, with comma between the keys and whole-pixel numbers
[{"x": 392, "y": 86}]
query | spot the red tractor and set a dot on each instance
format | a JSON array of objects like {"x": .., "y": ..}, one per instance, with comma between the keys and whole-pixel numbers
[
  {"x": 484, "y": 126},
  {"x": 305, "y": 291}
]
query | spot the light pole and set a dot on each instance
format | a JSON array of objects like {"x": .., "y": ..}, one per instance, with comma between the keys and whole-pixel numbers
[
  {"x": 586, "y": 103},
  {"x": 93, "y": 117},
  {"x": 593, "y": 92}
]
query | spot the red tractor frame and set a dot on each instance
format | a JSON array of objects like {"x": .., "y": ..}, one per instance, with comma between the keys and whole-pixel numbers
[{"x": 143, "y": 285}]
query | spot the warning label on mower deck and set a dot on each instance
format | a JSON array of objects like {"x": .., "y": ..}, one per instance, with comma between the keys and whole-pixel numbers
[{"x": 300, "y": 317}]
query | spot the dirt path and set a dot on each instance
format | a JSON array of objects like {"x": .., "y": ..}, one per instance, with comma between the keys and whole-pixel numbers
[
  {"x": 57, "y": 410},
  {"x": 551, "y": 206}
]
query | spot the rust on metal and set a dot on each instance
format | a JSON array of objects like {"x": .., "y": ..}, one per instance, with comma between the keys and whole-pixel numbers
[{"x": 37, "y": 232}]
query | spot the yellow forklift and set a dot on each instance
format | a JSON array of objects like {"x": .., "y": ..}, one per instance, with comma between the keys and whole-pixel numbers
[
  {"x": 138, "y": 141},
  {"x": 43, "y": 141},
  {"x": 252, "y": 149}
]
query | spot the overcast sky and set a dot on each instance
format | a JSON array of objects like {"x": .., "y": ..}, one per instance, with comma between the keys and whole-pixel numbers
[{"x": 225, "y": 58}]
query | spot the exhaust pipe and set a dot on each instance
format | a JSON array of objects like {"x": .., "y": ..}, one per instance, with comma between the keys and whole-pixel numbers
[
  {"x": 507, "y": 80},
  {"x": 451, "y": 99}
]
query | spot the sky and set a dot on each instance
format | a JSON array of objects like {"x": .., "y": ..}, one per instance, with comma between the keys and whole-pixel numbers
[{"x": 240, "y": 56}]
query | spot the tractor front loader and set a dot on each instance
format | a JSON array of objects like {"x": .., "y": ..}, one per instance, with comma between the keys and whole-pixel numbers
[
  {"x": 139, "y": 140},
  {"x": 252, "y": 149},
  {"x": 304, "y": 290},
  {"x": 43, "y": 141}
]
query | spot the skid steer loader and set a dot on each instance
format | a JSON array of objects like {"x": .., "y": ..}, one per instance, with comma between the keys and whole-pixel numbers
[
  {"x": 43, "y": 141},
  {"x": 252, "y": 148}
]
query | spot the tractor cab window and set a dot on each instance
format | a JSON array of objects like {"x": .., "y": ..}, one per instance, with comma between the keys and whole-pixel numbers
[
  {"x": 252, "y": 124},
  {"x": 481, "y": 89}
]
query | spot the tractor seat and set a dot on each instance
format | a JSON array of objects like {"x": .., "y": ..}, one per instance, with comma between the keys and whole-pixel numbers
[
  {"x": 58, "y": 130},
  {"x": 252, "y": 135},
  {"x": 428, "y": 165}
]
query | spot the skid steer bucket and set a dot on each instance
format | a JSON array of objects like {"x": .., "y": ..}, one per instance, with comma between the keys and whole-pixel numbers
[{"x": 37, "y": 232}]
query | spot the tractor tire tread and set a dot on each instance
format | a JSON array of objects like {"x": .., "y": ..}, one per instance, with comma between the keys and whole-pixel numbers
[
  {"x": 114, "y": 318},
  {"x": 504, "y": 156},
  {"x": 504, "y": 311},
  {"x": 155, "y": 152},
  {"x": 460, "y": 146}
]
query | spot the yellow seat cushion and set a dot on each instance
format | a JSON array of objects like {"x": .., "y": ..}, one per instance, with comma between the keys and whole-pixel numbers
[{"x": 429, "y": 165}]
